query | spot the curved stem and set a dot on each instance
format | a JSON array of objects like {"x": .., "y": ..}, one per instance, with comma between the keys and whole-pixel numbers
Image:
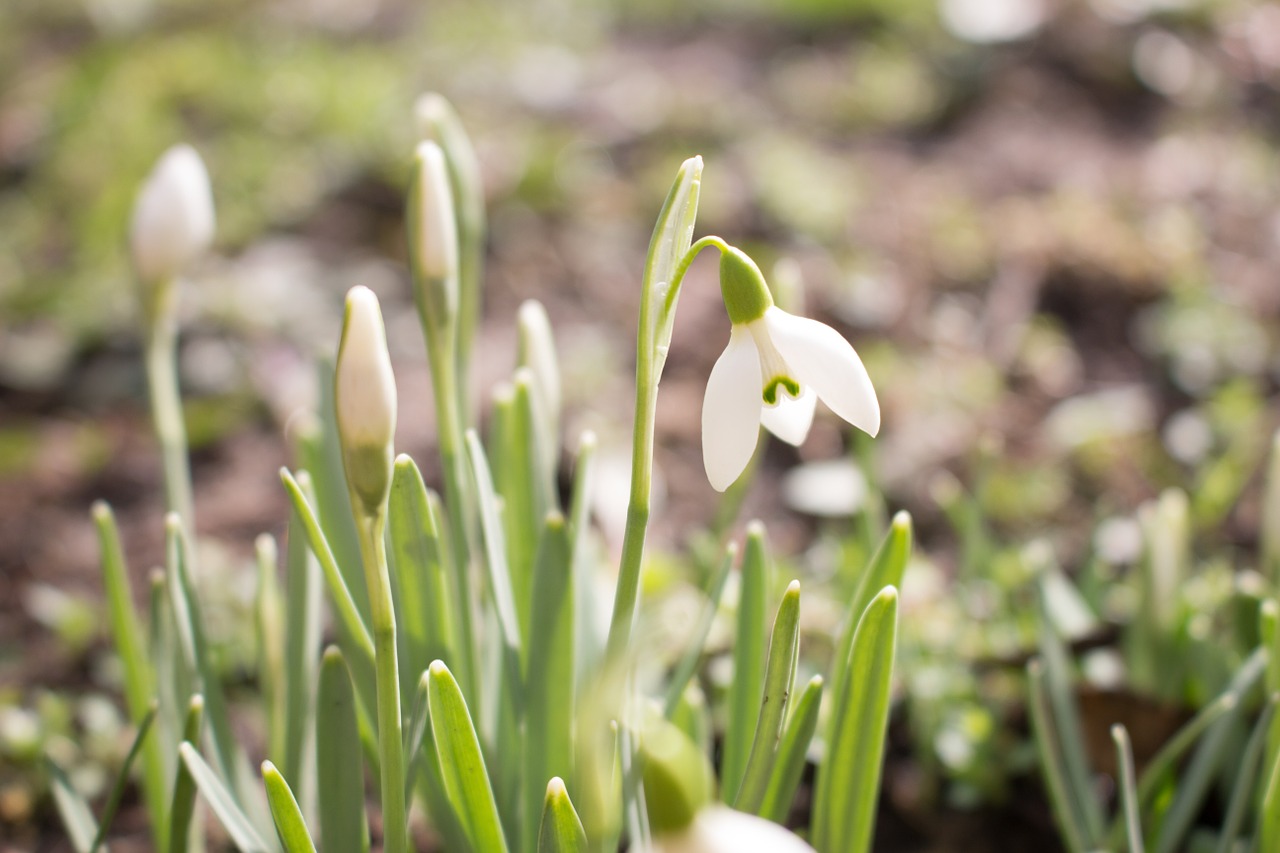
[{"x": 373, "y": 549}]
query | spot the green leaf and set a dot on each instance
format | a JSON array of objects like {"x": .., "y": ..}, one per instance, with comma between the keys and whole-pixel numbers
[
  {"x": 792, "y": 752},
  {"x": 692, "y": 717},
  {"x": 589, "y": 642},
  {"x": 339, "y": 763},
  {"x": 122, "y": 778},
  {"x": 72, "y": 808},
  {"x": 427, "y": 625},
  {"x": 462, "y": 765},
  {"x": 844, "y": 819},
  {"x": 549, "y": 696},
  {"x": 1065, "y": 809},
  {"x": 1128, "y": 788},
  {"x": 303, "y": 633},
  {"x": 560, "y": 831},
  {"x": 1198, "y": 777},
  {"x": 270, "y": 624},
  {"x": 223, "y": 804},
  {"x": 495, "y": 548},
  {"x": 285, "y": 812},
  {"x": 1269, "y": 822},
  {"x": 693, "y": 652},
  {"x": 784, "y": 645},
  {"x": 184, "y": 785},
  {"x": 1244, "y": 791},
  {"x": 139, "y": 684},
  {"x": 747, "y": 686}
]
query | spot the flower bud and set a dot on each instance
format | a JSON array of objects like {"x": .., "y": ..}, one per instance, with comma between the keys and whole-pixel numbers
[
  {"x": 678, "y": 779},
  {"x": 365, "y": 399},
  {"x": 433, "y": 236},
  {"x": 173, "y": 218},
  {"x": 720, "y": 829}
]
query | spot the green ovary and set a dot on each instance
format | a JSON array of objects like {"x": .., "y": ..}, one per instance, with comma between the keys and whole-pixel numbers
[{"x": 789, "y": 385}]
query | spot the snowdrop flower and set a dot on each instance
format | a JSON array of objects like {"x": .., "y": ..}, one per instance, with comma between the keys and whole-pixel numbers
[
  {"x": 720, "y": 829},
  {"x": 173, "y": 217},
  {"x": 774, "y": 370},
  {"x": 433, "y": 233},
  {"x": 364, "y": 391}
]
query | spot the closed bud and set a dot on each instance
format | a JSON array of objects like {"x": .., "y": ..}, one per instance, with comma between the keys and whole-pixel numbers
[
  {"x": 720, "y": 829},
  {"x": 173, "y": 217},
  {"x": 433, "y": 236},
  {"x": 678, "y": 779},
  {"x": 365, "y": 399}
]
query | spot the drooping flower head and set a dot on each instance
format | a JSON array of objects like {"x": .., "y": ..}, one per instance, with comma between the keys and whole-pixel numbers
[{"x": 774, "y": 370}]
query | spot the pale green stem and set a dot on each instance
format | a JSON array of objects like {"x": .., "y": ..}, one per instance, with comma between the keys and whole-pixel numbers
[
  {"x": 628, "y": 589},
  {"x": 449, "y": 426},
  {"x": 166, "y": 404},
  {"x": 373, "y": 550}
]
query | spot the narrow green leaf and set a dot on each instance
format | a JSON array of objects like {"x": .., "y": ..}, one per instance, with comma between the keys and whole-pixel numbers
[
  {"x": 1128, "y": 788},
  {"x": 270, "y": 625},
  {"x": 779, "y": 675},
  {"x": 1197, "y": 779},
  {"x": 303, "y": 637},
  {"x": 1067, "y": 727},
  {"x": 427, "y": 625},
  {"x": 139, "y": 684},
  {"x": 290, "y": 826},
  {"x": 549, "y": 696},
  {"x": 122, "y": 778},
  {"x": 72, "y": 808},
  {"x": 589, "y": 642},
  {"x": 692, "y": 717},
  {"x": 1269, "y": 821},
  {"x": 184, "y": 785},
  {"x": 223, "y": 804},
  {"x": 495, "y": 548},
  {"x": 1244, "y": 790},
  {"x": 693, "y": 651},
  {"x": 560, "y": 831},
  {"x": 465, "y": 779},
  {"x": 185, "y": 601},
  {"x": 747, "y": 686},
  {"x": 792, "y": 752},
  {"x": 1070, "y": 822},
  {"x": 843, "y": 823},
  {"x": 339, "y": 763}
]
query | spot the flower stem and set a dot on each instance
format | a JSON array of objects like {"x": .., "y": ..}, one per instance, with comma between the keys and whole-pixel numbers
[
  {"x": 373, "y": 550},
  {"x": 166, "y": 406}
]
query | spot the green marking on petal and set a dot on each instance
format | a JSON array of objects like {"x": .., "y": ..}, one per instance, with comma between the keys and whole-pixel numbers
[{"x": 788, "y": 384}]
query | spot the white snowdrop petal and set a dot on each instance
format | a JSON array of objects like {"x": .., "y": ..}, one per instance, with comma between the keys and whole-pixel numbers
[
  {"x": 791, "y": 418},
  {"x": 820, "y": 358},
  {"x": 720, "y": 829},
  {"x": 173, "y": 218},
  {"x": 731, "y": 411}
]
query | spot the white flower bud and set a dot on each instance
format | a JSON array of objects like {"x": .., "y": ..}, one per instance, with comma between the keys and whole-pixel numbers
[
  {"x": 173, "y": 218},
  {"x": 365, "y": 399},
  {"x": 433, "y": 229},
  {"x": 719, "y": 829}
]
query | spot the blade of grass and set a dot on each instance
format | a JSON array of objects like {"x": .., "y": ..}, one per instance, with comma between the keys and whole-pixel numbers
[
  {"x": 792, "y": 751},
  {"x": 290, "y": 825},
  {"x": 747, "y": 686},
  {"x": 549, "y": 696},
  {"x": 139, "y": 684},
  {"x": 779, "y": 675},
  {"x": 223, "y": 803},
  {"x": 1198, "y": 777},
  {"x": 466, "y": 780},
  {"x": 693, "y": 651},
  {"x": 1128, "y": 788},
  {"x": 1065, "y": 808},
  {"x": 184, "y": 785},
  {"x": 72, "y": 808},
  {"x": 339, "y": 759},
  {"x": 560, "y": 830},
  {"x": 844, "y": 821},
  {"x": 1244, "y": 791},
  {"x": 122, "y": 779}
]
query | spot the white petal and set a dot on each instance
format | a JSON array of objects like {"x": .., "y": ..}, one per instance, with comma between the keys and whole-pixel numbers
[
  {"x": 731, "y": 411},
  {"x": 173, "y": 217},
  {"x": 820, "y": 358},
  {"x": 719, "y": 829},
  {"x": 791, "y": 418}
]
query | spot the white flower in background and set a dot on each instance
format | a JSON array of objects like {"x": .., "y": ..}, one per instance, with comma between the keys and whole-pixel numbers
[
  {"x": 364, "y": 390},
  {"x": 173, "y": 218},
  {"x": 774, "y": 370},
  {"x": 719, "y": 829}
]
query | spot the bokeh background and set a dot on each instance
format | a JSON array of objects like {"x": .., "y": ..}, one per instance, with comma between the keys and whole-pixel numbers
[{"x": 1050, "y": 227}]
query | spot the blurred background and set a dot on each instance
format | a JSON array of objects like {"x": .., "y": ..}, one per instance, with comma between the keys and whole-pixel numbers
[{"x": 1049, "y": 227}]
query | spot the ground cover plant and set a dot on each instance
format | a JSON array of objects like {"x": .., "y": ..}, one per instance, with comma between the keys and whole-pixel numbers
[{"x": 1048, "y": 244}]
